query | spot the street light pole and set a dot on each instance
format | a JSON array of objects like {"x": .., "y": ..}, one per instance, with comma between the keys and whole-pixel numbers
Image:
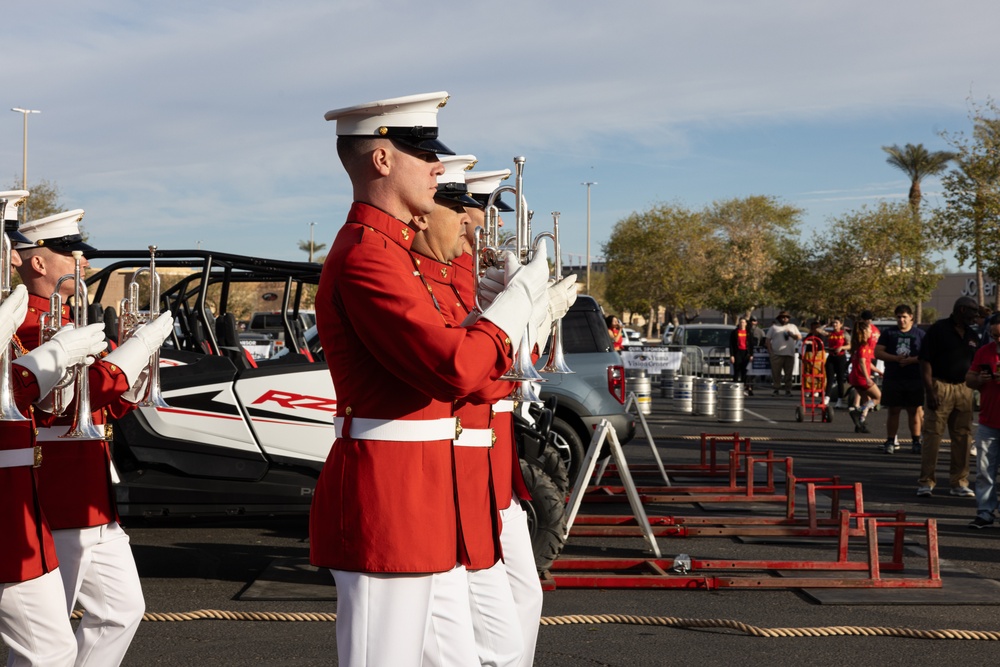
[
  {"x": 588, "y": 184},
  {"x": 24, "y": 166}
]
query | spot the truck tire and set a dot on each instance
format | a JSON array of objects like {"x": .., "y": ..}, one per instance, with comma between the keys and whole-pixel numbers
[
  {"x": 569, "y": 441},
  {"x": 546, "y": 516}
]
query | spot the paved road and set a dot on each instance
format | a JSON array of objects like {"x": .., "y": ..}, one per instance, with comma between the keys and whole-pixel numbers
[{"x": 193, "y": 565}]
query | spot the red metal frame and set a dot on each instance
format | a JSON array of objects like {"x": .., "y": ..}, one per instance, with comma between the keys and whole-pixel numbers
[
  {"x": 813, "y": 374},
  {"x": 659, "y": 573}
]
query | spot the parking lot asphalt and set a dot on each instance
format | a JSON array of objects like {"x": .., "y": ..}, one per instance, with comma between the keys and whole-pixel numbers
[{"x": 198, "y": 564}]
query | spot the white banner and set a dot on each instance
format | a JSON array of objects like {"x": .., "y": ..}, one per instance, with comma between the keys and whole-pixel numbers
[{"x": 653, "y": 360}]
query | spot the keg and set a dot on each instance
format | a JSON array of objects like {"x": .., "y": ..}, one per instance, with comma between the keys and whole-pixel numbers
[
  {"x": 704, "y": 397},
  {"x": 642, "y": 387},
  {"x": 683, "y": 392},
  {"x": 667, "y": 383},
  {"x": 730, "y": 409}
]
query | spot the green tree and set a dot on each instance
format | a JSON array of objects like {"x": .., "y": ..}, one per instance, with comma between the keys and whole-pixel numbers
[
  {"x": 868, "y": 260},
  {"x": 917, "y": 163},
  {"x": 969, "y": 222},
  {"x": 750, "y": 234},
  {"x": 658, "y": 258}
]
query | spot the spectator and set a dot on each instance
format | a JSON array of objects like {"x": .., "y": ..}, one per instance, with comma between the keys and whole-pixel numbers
[
  {"x": 860, "y": 377},
  {"x": 741, "y": 353},
  {"x": 983, "y": 376},
  {"x": 757, "y": 341},
  {"x": 902, "y": 386},
  {"x": 615, "y": 331},
  {"x": 838, "y": 344},
  {"x": 945, "y": 358},
  {"x": 781, "y": 340}
]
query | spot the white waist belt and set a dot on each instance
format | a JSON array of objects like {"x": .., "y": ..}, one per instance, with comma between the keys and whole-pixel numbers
[
  {"x": 476, "y": 437},
  {"x": 400, "y": 430},
  {"x": 21, "y": 458},
  {"x": 503, "y": 406},
  {"x": 51, "y": 433}
]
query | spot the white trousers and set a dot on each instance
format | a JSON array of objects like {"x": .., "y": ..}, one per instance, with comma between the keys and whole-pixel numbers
[
  {"x": 98, "y": 571},
  {"x": 34, "y": 623},
  {"x": 404, "y": 620},
  {"x": 522, "y": 576}
]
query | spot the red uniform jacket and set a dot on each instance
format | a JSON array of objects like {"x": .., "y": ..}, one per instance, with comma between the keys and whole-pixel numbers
[
  {"x": 478, "y": 511},
  {"x": 27, "y": 550},
  {"x": 389, "y": 506},
  {"x": 507, "y": 476},
  {"x": 75, "y": 480}
]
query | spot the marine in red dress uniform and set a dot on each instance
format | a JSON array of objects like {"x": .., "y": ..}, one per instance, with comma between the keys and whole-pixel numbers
[
  {"x": 75, "y": 486},
  {"x": 384, "y": 515}
]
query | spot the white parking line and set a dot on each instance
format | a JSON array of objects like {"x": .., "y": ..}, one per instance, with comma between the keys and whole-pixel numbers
[{"x": 759, "y": 416}]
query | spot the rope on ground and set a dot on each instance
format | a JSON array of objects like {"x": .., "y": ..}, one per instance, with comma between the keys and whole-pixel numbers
[{"x": 617, "y": 619}]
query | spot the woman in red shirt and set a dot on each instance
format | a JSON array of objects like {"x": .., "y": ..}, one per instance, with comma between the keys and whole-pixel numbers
[
  {"x": 861, "y": 378},
  {"x": 615, "y": 331},
  {"x": 741, "y": 353}
]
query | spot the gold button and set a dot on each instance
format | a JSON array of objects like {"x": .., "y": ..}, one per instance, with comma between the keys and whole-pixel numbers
[
  {"x": 348, "y": 411},
  {"x": 506, "y": 341},
  {"x": 25, "y": 374}
]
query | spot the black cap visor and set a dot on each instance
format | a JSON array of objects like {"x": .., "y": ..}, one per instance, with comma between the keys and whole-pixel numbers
[
  {"x": 64, "y": 244},
  {"x": 501, "y": 205},
  {"x": 421, "y": 138},
  {"x": 456, "y": 193},
  {"x": 10, "y": 229}
]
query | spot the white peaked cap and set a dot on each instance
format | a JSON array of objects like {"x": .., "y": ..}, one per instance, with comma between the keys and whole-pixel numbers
[
  {"x": 410, "y": 120},
  {"x": 60, "y": 232},
  {"x": 455, "y": 168}
]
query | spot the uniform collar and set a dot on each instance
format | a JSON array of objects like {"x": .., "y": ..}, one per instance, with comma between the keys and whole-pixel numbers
[
  {"x": 433, "y": 270},
  {"x": 373, "y": 218}
]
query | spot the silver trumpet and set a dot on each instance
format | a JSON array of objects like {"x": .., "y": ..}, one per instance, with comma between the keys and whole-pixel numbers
[
  {"x": 130, "y": 318},
  {"x": 8, "y": 407},
  {"x": 82, "y": 427},
  {"x": 556, "y": 363},
  {"x": 488, "y": 252}
]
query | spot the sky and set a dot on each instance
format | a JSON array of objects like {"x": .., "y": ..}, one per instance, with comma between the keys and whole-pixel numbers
[{"x": 200, "y": 123}]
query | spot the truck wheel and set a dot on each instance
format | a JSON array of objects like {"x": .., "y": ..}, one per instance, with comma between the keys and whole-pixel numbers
[
  {"x": 570, "y": 446},
  {"x": 546, "y": 516}
]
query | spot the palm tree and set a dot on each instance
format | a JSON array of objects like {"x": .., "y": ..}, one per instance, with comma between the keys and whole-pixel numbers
[
  {"x": 311, "y": 247},
  {"x": 917, "y": 163}
]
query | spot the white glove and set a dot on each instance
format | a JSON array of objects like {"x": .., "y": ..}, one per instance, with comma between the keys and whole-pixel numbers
[
  {"x": 491, "y": 284},
  {"x": 69, "y": 347},
  {"x": 12, "y": 312},
  {"x": 512, "y": 308},
  {"x": 132, "y": 356},
  {"x": 561, "y": 295}
]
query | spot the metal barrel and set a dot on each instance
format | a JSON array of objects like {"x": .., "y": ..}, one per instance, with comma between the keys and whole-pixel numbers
[
  {"x": 704, "y": 397},
  {"x": 683, "y": 385},
  {"x": 667, "y": 383},
  {"x": 642, "y": 387},
  {"x": 730, "y": 402}
]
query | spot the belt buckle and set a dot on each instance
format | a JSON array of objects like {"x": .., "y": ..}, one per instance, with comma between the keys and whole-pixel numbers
[
  {"x": 36, "y": 456},
  {"x": 458, "y": 427},
  {"x": 493, "y": 438}
]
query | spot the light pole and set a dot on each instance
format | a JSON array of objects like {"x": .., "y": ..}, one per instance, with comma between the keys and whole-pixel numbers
[
  {"x": 588, "y": 184},
  {"x": 312, "y": 225},
  {"x": 24, "y": 166}
]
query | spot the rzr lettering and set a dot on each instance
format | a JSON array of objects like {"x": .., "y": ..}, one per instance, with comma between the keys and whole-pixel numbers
[{"x": 294, "y": 401}]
